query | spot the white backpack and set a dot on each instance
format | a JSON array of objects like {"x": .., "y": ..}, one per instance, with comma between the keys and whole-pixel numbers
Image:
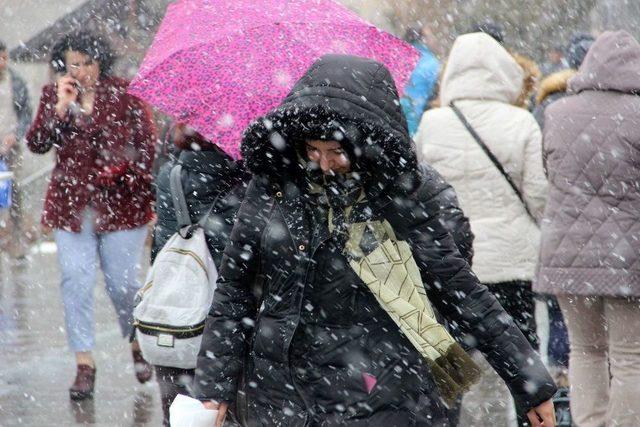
[{"x": 172, "y": 307}]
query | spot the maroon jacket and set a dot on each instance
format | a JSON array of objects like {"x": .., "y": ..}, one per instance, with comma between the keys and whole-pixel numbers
[{"x": 119, "y": 134}]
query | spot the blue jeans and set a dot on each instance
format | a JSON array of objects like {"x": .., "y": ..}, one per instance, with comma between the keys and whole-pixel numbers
[{"x": 119, "y": 254}]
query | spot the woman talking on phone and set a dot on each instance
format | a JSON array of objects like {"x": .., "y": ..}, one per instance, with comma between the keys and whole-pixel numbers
[{"x": 99, "y": 199}]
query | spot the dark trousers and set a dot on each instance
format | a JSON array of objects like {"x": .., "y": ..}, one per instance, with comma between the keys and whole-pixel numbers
[
  {"x": 172, "y": 381},
  {"x": 517, "y": 299},
  {"x": 558, "y": 336}
]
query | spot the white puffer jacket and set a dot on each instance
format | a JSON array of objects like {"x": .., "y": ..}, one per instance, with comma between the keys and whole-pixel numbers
[{"x": 484, "y": 81}]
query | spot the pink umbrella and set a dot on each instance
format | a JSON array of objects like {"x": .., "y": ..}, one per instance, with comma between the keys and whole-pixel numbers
[{"x": 219, "y": 64}]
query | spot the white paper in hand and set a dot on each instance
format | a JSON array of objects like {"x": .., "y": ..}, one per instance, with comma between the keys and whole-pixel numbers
[{"x": 188, "y": 412}]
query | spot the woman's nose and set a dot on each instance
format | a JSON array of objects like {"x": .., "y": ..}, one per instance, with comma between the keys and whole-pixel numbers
[{"x": 325, "y": 164}]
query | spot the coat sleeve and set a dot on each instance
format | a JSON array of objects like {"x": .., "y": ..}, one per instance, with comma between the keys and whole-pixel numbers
[
  {"x": 458, "y": 295},
  {"x": 220, "y": 221},
  {"x": 534, "y": 180},
  {"x": 47, "y": 129},
  {"x": 143, "y": 140},
  {"x": 441, "y": 197},
  {"x": 233, "y": 311}
]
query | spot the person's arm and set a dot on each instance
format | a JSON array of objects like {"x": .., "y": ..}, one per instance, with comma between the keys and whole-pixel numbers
[
  {"x": 441, "y": 197},
  {"x": 534, "y": 181},
  {"x": 48, "y": 128},
  {"x": 220, "y": 222},
  {"x": 22, "y": 105},
  {"x": 144, "y": 140},
  {"x": 233, "y": 311},
  {"x": 137, "y": 171},
  {"x": 458, "y": 295}
]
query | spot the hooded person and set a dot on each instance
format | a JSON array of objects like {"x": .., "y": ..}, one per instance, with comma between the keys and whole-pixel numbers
[
  {"x": 590, "y": 252},
  {"x": 336, "y": 194},
  {"x": 481, "y": 85},
  {"x": 422, "y": 85}
]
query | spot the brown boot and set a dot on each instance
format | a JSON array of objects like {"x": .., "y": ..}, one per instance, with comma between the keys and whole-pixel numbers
[
  {"x": 143, "y": 369},
  {"x": 82, "y": 387}
]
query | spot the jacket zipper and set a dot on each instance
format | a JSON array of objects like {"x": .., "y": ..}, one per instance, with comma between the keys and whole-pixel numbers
[{"x": 288, "y": 346}]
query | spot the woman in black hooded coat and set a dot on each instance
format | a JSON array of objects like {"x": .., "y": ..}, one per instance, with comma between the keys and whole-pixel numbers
[{"x": 308, "y": 353}]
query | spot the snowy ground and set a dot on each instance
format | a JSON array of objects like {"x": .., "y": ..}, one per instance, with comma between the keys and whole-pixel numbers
[{"x": 36, "y": 369}]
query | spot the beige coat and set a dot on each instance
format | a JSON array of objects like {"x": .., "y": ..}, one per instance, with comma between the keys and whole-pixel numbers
[{"x": 485, "y": 81}]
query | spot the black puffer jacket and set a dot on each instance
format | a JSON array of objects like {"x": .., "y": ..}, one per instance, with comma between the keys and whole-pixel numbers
[
  {"x": 207, "y": 177},
  {"x": 319, "y": 333}
]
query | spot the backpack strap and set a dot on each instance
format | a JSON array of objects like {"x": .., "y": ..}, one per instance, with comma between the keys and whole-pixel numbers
[
  {"x": 177, "y": 195},
  {"x": 491, "y": 157}
]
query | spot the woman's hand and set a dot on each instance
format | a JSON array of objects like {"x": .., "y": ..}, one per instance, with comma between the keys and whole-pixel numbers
[
  {"x": 221, "y": 408},
  {"x": 543, "y": 415},
  {"x": 111, "y": 175},
  {"x": 67, "y": 93}
]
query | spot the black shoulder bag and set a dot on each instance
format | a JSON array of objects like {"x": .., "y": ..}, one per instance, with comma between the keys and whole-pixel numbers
[{"x": 493, "y": 158}]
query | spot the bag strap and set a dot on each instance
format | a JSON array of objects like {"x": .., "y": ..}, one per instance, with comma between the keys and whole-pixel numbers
[
  {"x": 177, "y": 195},
  {"x": 183, "y": 217},
  {"x": 493, "y": 158}
]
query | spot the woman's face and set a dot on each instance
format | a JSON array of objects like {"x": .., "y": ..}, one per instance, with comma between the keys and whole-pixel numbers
[
  {"x": 329, "y": 155},
  {"x": 83, "y": 68},
  {"x": 186, "y": 138}
]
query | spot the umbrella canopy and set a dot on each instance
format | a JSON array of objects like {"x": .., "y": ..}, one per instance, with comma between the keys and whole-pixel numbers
[{"x": 219, "y": 64}]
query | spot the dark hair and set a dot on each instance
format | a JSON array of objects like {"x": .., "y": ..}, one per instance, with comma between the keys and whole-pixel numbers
[
  {"x": 85, "y": 42},
  {"x": 577, "y": 50},
  {"x": 491, "y": 28},
  {"x": 3, "y": 46},
  {"x": 413, "y": 34}
]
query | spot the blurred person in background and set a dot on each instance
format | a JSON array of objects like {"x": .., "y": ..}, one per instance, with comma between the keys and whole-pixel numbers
[
  {"x": 213, "y": 184},
  {"x": 555, "y": 61},
  {"x": 590, "y": 252},
  {"x": 421, "y": 88},
  {"x": 554, "y": 86},
  {"x": 483, "y": 82},
  {"x": 496, "y": 31},
  {"x": 15, "y": 118},
  {"x": 99, "y": 198}
]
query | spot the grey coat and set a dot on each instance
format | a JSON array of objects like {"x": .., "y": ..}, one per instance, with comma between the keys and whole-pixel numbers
[{"x": 591, "y": 226}]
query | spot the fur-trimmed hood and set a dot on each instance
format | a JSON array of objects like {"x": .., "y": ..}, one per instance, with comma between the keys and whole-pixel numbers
[
  {"x": 346, "y": 98},
  {"x": 554, "y": 83}
]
